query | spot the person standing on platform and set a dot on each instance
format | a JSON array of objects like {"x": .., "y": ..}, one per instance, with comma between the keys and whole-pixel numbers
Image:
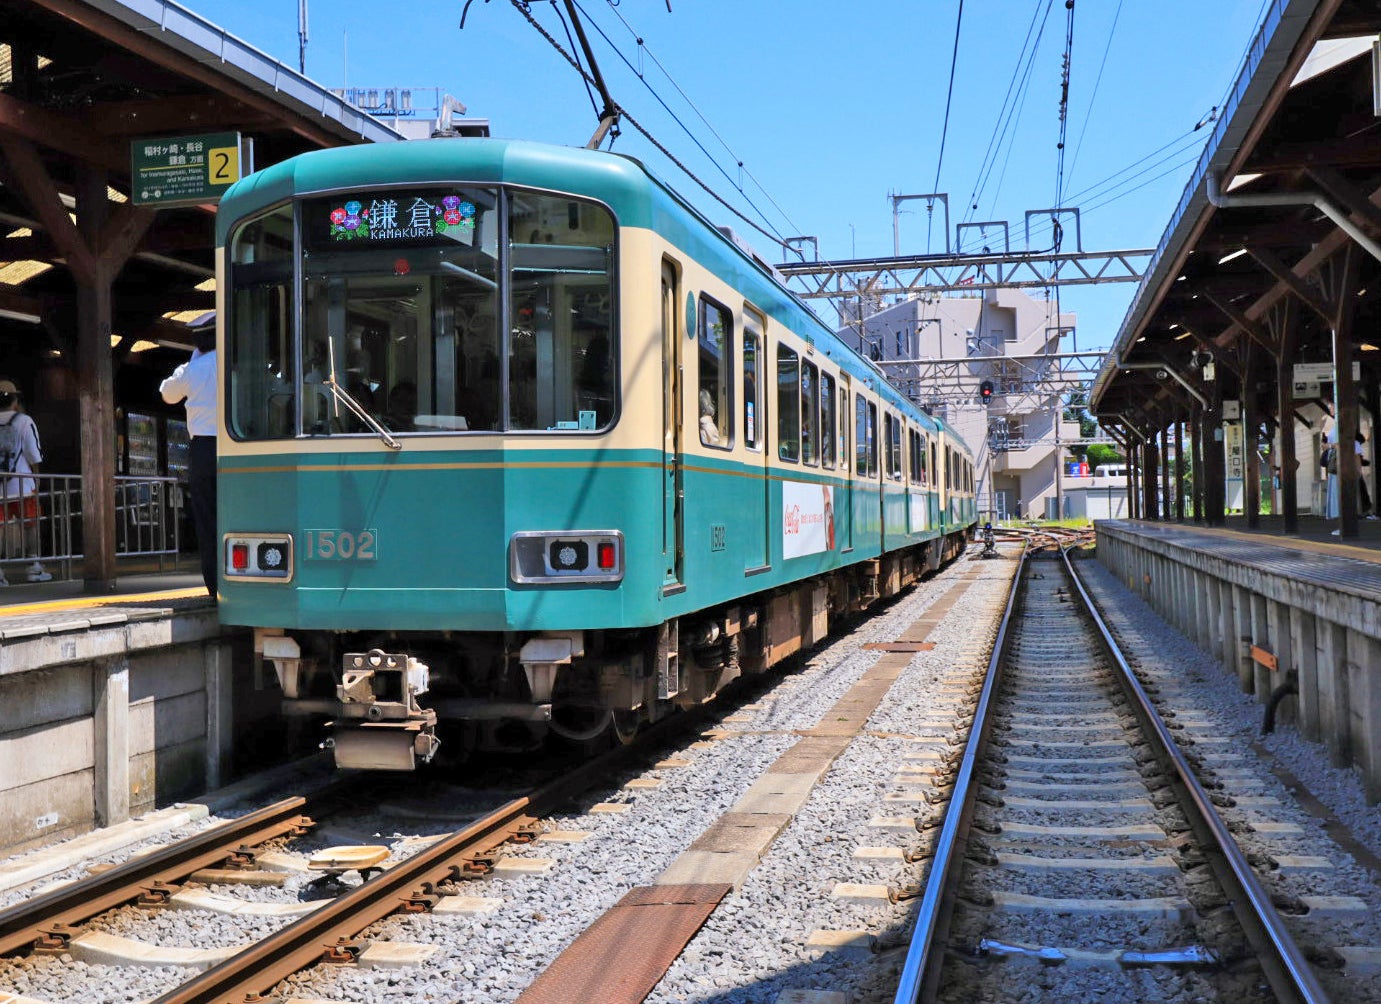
[
  {"x": 195, "y": 380},
  {"x": 20, "y": 453}
]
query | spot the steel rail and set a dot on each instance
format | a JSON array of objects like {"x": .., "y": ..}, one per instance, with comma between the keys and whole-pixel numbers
[
  {"x": 408, "y": 886},
  {"x": 1284, "y": 966},
  {"x": 932, "y": 921},
  {"x": 20, "y": 925},
  {"x": 306, "y": 940}
]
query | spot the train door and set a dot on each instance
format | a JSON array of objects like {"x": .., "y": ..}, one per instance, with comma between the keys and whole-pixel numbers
[
  {"x": 673, "y": 533},
  {"x": 844, "y": 509},
  {"x": 759, "y": 499}
]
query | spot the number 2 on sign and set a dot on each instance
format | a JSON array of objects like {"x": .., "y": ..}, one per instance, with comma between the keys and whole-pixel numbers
[{"x": 342, "y": 545}]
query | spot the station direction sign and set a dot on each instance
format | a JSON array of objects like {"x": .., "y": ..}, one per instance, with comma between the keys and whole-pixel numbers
[
  {"x": 183, "y": 170},
  {"x": 1308, "y": 376}
]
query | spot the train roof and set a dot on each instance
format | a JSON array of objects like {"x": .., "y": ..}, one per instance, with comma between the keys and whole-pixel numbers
[{"x": 636, "y": 195}]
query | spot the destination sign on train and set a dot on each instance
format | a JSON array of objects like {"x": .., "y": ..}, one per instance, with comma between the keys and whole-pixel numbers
[{"x": 393, "y": 216}]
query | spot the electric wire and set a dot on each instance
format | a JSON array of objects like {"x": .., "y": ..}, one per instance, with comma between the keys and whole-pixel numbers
[
  {"x": 779, "y": 239},
  {"x": 522, "y": 8},
  {"x": 1015, "y": 96},
  {"x": 1093, "y": 97},
  {"x": 944, "y": 129},
  {"x": 643, "y": 48},
  {"x": 584, "y": 77}
]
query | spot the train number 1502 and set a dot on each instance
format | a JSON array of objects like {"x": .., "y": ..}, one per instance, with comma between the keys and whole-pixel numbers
[{"x": 342, "y": 545}]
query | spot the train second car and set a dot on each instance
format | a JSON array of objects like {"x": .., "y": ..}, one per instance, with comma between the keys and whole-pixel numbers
[{"x": 514, "y": 441}]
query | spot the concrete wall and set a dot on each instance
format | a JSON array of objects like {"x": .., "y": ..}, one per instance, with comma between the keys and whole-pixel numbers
[
  {"x": 102, "y": 722},
  {"x": 1327, "y": 639}
]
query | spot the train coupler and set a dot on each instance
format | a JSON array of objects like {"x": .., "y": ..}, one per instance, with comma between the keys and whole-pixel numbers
[{"x": 381, "y": 725}]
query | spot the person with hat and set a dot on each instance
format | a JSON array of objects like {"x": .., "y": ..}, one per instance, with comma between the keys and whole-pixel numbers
[
  {"x": 195, "y": 380},
  {"x": 20, "y": 454}
]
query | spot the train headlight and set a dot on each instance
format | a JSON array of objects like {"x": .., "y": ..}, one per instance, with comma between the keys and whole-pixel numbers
[
  {"x": 556, "y": 556},
  {"x": 258, "y": 556}
]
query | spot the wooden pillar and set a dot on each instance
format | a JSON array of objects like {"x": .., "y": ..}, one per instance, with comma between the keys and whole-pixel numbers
[
  {"x": 1179, "y": 471},
  {"x": 1288, "y": 330},
  {"x": 95, "y": 250},
  {"x": 1149, "y": 457},
  {"x": 1133, "y": 465},
  {"x": 1196, "y": 447},
  {"x": 1215, "y": 470},
  {"x": 96, "y": 384},
  {"x": 1163, "y": 509},
  {"x": 1251, "y": 459},
  {"x": 1344, "y": 279}
]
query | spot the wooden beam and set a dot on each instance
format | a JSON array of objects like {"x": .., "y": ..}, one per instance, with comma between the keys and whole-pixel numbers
[
  {"x": 1243, "y": 322},
  {"x": 33, "y": 181},
  {"x": 183, "y": 114},
  {"x": 1288, "y": 158},
  {"x": 122, "y": 234},
  {"x": 82, "y": 14},
  {"x": 68, "y": 134},
  {"x": 1292, "y": 281}
]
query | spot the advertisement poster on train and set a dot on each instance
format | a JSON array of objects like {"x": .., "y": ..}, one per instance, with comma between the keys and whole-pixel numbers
[
  {"x": 807, "y": 519},
  {"x": 920, "y": 511}
]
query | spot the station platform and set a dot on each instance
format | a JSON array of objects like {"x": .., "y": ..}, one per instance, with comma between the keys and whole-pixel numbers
[
  {"x": 1296, "y": 617},
  {"x": 118, "y": 704}
]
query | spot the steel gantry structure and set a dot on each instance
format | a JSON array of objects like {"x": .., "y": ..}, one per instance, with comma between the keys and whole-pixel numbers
[{"x": 916, "y": 275}]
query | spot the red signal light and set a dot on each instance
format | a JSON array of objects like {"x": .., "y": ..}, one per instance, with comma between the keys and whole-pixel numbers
[
  {"x": 604, "y": 557},
  {"x": 239, "y": 557}
]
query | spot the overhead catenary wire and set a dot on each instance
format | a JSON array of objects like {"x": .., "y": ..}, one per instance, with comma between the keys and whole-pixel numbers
[
  {"x": 523, "y": 9},
  {"x": 1093, "y": 96},
  {"x": 944, "y": 129},
  {"x": 776, "y": 236},
  {"x": 1011, "y": 102}
]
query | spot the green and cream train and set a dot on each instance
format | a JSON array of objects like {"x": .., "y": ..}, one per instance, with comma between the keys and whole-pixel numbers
[{"x": 514, "y": 441}]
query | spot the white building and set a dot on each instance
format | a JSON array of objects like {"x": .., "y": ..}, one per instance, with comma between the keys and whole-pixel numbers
[{"x": 962, "y": 340}]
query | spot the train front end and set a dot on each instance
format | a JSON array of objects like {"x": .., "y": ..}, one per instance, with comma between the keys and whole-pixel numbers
[{"x": 429, "y": 483}]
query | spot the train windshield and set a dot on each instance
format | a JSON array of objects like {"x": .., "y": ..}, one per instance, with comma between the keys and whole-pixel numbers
[{"x": 462, "y": 309}]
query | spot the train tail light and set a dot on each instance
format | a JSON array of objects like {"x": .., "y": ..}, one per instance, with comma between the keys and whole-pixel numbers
[
  {"x": 557, "y": 556},
  {"x": 258, "y": 556}
]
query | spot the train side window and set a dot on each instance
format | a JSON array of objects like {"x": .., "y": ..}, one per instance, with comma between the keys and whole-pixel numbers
[
  {"x": 788, "y": 404},
  {"x": 715, "y": 342},
  {"x": 892, "y": 446},
  {"x": 752, "y": 405},
  {"x": 934, "y": 464},
  {"x": 913, "y": 454},
  {"x": 865, "y": 437},
  {"x": 562, "y": 344},
  {"x": 925, "y": 461},
  {"x": 827, "y": 420},
  {"x": 844, "y": 423},
  {"x": 262, "y": 395},
  {"x": 810, "y": 414}
]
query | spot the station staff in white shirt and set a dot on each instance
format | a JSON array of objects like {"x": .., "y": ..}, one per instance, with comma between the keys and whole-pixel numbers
[{"x": 195, "y": 380}]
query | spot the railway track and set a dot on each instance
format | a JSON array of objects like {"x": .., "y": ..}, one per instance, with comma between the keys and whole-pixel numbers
[
  {"x": 326, "y": 930},
  {"x": 1079, "y": 854},
  {"x": 825, "y": 865}
]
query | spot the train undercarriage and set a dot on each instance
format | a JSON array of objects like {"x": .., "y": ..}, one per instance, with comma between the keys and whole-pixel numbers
[{"x": 394, "y": 699}]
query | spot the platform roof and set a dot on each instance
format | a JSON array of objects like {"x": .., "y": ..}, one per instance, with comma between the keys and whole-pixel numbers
[
  {"x": 1300, "y": 136},
  {"x": 79, "y": 79}
]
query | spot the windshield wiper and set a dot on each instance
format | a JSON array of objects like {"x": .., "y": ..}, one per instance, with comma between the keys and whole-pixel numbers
[{"x": 340, "y": 394}]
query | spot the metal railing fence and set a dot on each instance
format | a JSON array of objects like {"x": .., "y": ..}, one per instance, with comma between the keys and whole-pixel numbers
[{"x": 40, "y": 521}]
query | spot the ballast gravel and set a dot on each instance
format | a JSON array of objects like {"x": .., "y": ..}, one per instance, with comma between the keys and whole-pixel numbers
[{"x": 755, "y": 945}]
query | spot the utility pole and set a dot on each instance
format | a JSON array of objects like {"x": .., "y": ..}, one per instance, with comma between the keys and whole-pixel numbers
[{"x": 302, "y": 37}]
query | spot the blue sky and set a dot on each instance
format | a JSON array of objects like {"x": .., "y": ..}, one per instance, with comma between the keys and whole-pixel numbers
[{"x": 831, "y": 106}]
